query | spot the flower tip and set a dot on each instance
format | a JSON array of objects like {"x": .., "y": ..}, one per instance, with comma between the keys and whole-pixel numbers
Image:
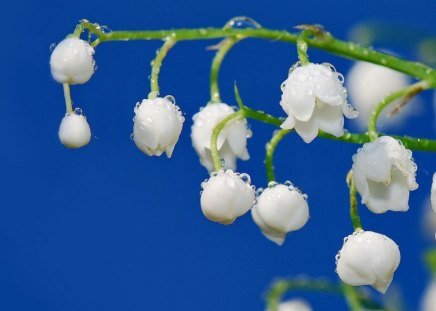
[{"x": 74, "y": 131}]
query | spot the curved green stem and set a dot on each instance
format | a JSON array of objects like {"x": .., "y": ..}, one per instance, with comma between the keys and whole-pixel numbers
[
  {"x": 68, "y": 101},
  {"x": 224, "y": 47},
  {"x": 323, "y": 40},
  {"x": 157, "y": 63},
  {"x": 356, "y": 300},
  {"x": 302, "y": 47},
  {"x": 354, "y": 214},
  {"x": 215, "y": 134},
  {"x": 270, "y": 149},
  {"x": 407, "y": 93}
]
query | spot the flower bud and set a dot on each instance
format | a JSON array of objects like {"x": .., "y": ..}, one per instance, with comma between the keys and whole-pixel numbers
[
  {"x": 368, "y": 258},
  {"x": 384, "y": 174},
  {"x": 72, "y": 61},
  {"x": 226, "y": 195},
  {"x": 232, "y": 140},
  {"x": 157, "y": 125},
  {"x": 315, "y": 99},
  {"x": 74, "y": 131},
  {"x": 294, "y": 305},
  {"x": 428, "y": 302},
  {"x": 280, "y": 209}
]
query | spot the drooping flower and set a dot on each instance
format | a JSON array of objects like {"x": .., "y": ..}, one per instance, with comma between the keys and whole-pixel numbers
[
  {"x": 280, "y": 209},
  {"x": 294, "y": 305},
  {"x": 428, "y": 302},
  {"x": 315, "y": 99},
  {"x": 368, "y": 84},
  {"x": 384, "y": 174},
  {"x": 157, "y": 125},
  {"x": 72, "y": 61},
  {"x": 226, "y": 195},
  {"x": 74, "y": 131},
  {"x": 232, "y": 140},
  {"x": 368, "y": 258}
]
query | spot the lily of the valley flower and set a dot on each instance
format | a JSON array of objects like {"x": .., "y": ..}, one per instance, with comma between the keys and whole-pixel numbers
[
  {"x": 72, "y": 61},
  {"x": 226, "y": 195},
  {"x": 74, "y": 131},
  {"x": 280, "y": 209},
  {"x": 157, "y": 126},
  {"x": 232, "y": 140},
  {"x": 294, "y": 305},
  {"x": 315, "y": 99},
  {"x": 384, "y": 174},
  {"x": 428, "y": 302},
  {"x": 368, "y": 258}
]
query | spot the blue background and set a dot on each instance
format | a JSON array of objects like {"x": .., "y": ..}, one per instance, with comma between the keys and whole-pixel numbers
[{"x": 108, "y": 228}]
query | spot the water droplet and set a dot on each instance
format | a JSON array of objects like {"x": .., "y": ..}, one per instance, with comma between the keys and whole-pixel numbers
[
  {"x": 78, "y": 111},
  {"x": 105, "y": 29},
  {"x": 259, "y": 191},
  {"x": 242, "y": 22},
  {"x": 52, "y": 47},
  {"x": 330, "y": 66},
  {"x": 341, "y": 77},
  {"x": 293, "y": 67},
  {"x": 245, "y": 178},
  {"x": 171, "y": 99},
  {"x": 288, "y": 183},
  {"x": 132, "y": 137},
  {"x": 272, "y": 184},
  {"x": 249, "y": 134}
]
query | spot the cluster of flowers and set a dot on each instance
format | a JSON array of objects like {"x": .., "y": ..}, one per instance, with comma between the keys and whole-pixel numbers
[{"x": 314, "y": 99}]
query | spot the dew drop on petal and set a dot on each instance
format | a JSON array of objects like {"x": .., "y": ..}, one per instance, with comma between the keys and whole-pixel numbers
[
  {"x": 52, "y": 47},
  {"x": 78, "y": 111},
  {"x": 245, "y": 178}
]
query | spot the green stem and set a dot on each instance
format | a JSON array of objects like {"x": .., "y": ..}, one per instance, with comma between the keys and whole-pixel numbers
[
  {"x": 224, "y": 47},
  {"x": 354, "y": 214},
  {"x": 215, "y": 134},
  {"x": 352, "y": 297},
  {"x": 407, "y": 93},
  {"x": 302, "y": 47},
  {"x": 270, "y": 149},
  {"x": 68, "y": 101},
  {"x": 324, "y": 41},
  {"x": 157, "y": 63}
]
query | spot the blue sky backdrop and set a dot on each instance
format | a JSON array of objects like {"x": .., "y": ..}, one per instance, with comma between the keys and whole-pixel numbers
[{"x": 108, "y": 228}]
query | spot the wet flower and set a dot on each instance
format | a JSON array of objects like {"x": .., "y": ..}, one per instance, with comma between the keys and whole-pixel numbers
[
  {"x": 368, "y": 258},
  {"x": 74, "y": 131},
  {"x": 226, "y": 195},
  {"x": 157, "y": 125},
  {"x": 294, "y": 305},
  {"x": 433, "y": 193},
  {"x": 72, "y": 61},
  {"x": 232, "y": 140},
  {"x": 384, "y": 174},
  {"x": 315, "y": 99},
  {"x": 428, "y": 302},
  {"x": 280, "y": 209}
]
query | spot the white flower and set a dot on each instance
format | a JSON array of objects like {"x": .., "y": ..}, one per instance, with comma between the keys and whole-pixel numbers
[
  {"x": 315, "y": 99},
  {"x": 232, "y": 140},
  {"x": 74, "y": 131},
  {"x": 294, "y": 305},
  {"x": 428, "y": 302},
  {"x": 157, "y": 125},
  {"x": 368, "y": 258},
  {"x": 433, "y": 193},
  {"x": 384, "y": 173},
  {"x": 368, "y": 84},
  {"x": 226, "y": 195},
  {"x": 280, "y": 209},
  {"x": 72, "y": 61}
]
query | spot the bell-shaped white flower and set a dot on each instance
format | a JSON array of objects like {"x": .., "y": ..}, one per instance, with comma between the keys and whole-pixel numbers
[
  {"x": 368, "y": 84},
  {"x": 279, "y": 209},
  {"x": 232, "y": 140},
  {"x": 428, "y": 302},
  {"x": 74, "y": 131},
  {"x": 157, "y": 125},
  {"x": 226, "y": 195},
  {"x": 294, "y": 305},
  {"x": 433, "y": 193},
  {"x": 315, "y": 99},
  {"x": 72, "y": 61},
  {"x": 384, "y": 174},
  {"x": 368, "y": 258}
]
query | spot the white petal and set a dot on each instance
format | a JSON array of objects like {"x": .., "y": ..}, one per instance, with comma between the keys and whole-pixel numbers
[
  {"x": 289, "y": 123},
  {"x": 307, "y": 130},
  {"x": 301, "y": 107},
  {"x": 433, "y": 193},
  {"x": 330, "y": 120}
]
